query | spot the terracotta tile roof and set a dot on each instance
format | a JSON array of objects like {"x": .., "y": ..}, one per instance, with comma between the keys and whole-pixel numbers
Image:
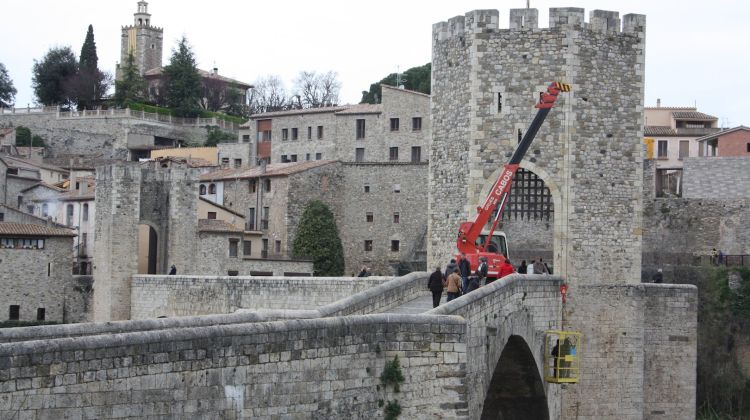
[
  {"x": 672, "y": 108},
  {"x": 26, "y": 229},
  {"x": 722, "y": 133},
  {"x": 362, "y": 109},
  {"x": 693, "y": 115},
  {"x": 274, "y": 169},
  {"x": 158, "y": 71},
  {"x": 404, "y": 90},
  {"x": 657, "y": 130},
  {"x": 215, "y": 225},
  {"x": 323, "y": 110}
]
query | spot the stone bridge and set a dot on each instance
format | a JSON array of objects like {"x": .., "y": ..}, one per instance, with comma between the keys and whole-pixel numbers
[{"x": 479, "y": 356}]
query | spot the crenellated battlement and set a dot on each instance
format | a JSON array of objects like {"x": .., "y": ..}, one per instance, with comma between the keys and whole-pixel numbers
[
  {"x": 152, "y": 28},
  {"x": 560, "y": 18}
]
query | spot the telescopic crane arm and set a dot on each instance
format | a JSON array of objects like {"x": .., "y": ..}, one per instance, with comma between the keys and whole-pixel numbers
[{"x": 498, "y": 196}]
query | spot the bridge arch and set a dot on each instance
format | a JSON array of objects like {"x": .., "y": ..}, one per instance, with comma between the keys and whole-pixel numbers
[{"x": 516, "y": 390}]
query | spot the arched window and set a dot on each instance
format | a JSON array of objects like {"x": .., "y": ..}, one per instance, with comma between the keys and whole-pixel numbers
[
  {"x": 202, "y": 189},
  {"x": 85, "y": 212},
  {"x": 212, "y": 189}
]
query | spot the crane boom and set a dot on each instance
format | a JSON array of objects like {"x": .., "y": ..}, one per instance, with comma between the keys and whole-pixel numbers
[{"x": 497, "y": 198}]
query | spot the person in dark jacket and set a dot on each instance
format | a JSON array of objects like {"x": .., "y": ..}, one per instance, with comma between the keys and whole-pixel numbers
[
  {"x": 464, "y": 269},
  {"x": 658, "y": 276},
  {"x": 435, "y": 284},
  {"x": 450, "y": 268},
  {"x": 173, "y": 270}
]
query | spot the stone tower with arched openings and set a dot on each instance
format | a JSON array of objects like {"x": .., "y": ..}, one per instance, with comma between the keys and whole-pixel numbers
[{"x": 142, "y": 40}]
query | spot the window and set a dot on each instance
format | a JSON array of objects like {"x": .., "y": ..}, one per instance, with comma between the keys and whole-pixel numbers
[
  {"x": 45, "y": 210},
  {"x": 252, "y": 185},
  {"x": 367, "y": 188},
  {"x": 293, "y": 158},
  {"x": 396, "y": 218},
  {"x": 360, "y": 129},
  {"x": 40, "y": 313},
  {"x": 395, "y": 245},
  {"x": 359, "y": 154},
  {"x": 30, "y": 209},
  {"x": 284, "y": 134},
  {"x": 416, "y": 154},
  {"x": 2, "y": 217},
  {"x": 309, "y": 133},
  {"x": 393, "y": 153},
  {"x": 416, "y": 123},
  {"x": 368, "y": 217},
  {"x": 397, "y": 188},
  {"x": 250, "y": 223},
  {"x": 202, "y": 189},
  {"x": 85, "y": 212},
  {"x": 267, "y": 185},
  {"x": 233, "y": 273},
  {"x": 499, "y": 102},
  {"x": 264, "y": 219},
  {"x": 225, "y": 162},
  {"x": 368, "y": 245},
  {"x": 284, "y": 159},
  {"x": 662, "y": 149},
  {"x": 748, "y": 150},
  {"x": 212, "y": 189},
  {"x": 212, "y": 215},
  {"x": 14, "y": 312},
  {"x": 233, "y": 247},
  {"x": 69, "y": 215},
  {"x": 394, "y": 124},
  {"x": 320, "y": 132},
  {"x": 295, "y": 134},
  {"x": 237, "y": 163},
  {"x": 307, "y": 156},
  {"x": 247, "y": 247},
  {"x": 278, "y": 246},
  {"x": 264, "y": 250},
  {"x": 245, "y": 138},
  {"x": 684, "y": 149},
  {"x": 318, "y": 156}
]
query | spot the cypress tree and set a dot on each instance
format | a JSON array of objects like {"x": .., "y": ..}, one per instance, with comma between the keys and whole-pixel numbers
[
  {"x": 88, "y": 59},
  {"x": 183, "y": 82},
  {"x": 318, "y": 238}
]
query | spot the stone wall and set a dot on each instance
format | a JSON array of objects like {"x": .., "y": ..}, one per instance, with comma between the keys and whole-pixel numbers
[
  {"x": 393, "y": 188},
  {"x": 106, "y": 135},
  {"x": 317, "y": 368},
  {"x": 650, "y": 342},
  {"x": 718, "y": 178},
  {"x": 302, "y": 147},
  {"x": 37, "y": 278},
  {"x": 235, "y": 151},
  {"x": 155, "y": 296}
]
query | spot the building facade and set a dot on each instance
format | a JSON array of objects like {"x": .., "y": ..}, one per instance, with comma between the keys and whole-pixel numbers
[{"x": 143, "y": 40}]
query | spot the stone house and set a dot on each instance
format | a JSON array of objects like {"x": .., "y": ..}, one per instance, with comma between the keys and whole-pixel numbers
[
  {"x": 36, "y": 271},
  {"x": 396, "y": 130}
]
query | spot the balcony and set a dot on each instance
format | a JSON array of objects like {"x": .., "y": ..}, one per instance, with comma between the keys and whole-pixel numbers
[
  {"x": 264, "y": 224},
  {"x": 695, "y": 132},
  {"x": 250, "y": 225}
]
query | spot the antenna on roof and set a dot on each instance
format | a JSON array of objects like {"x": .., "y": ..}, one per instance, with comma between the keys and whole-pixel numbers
[{"x": 400, "y": 80}]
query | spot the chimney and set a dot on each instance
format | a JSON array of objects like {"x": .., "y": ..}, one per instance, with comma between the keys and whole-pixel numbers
[
  {"x": 216, "y": 71},
  {"x": 658, "y": 102}
]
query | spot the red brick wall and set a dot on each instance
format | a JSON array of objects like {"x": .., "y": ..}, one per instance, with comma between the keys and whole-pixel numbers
[{"x": 734, "y": 144}]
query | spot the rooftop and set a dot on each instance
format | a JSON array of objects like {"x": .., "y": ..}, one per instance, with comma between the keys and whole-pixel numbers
[
  {"x": 722, "y": 133},
  {"x": 158, "y": 71},
  {"x": 693, "y": 115},
  {"x": 26, "y": 229},
  {"x": 216, "y": 225},
  {"x": 274, "y": 169}
]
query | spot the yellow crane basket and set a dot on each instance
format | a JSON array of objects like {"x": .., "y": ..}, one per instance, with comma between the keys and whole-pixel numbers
[{"x": 562, "y": 350}]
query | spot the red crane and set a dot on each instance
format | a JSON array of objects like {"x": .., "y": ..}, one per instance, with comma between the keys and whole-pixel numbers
[{"x": 470, "y": 232}]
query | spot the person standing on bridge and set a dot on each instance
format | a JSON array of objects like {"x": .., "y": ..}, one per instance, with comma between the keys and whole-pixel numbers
[
  {"x": 506, "y": 269},
  {"x": 435, "y": 284},
  {"x": 464, "y": 268},
  {"x": 453, "y": 285}
]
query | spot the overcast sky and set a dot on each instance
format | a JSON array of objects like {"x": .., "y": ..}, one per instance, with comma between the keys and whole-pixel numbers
[{"x": 697, "y": 53}]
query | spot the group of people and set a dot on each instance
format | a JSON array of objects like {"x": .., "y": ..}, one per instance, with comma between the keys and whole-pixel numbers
[{"x": 457, "y": 278}]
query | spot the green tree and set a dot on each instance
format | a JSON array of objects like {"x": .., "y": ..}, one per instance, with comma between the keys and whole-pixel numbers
[
  {"x": 7, "y": 90},
  {"x": 132, "y": 86},
  {"x": 52, "y": 74},
  {"x": 183, "y": 82},
  {"x": 215, "y": 136},
  {"x": 416, "y": 78},
  {"x": 89, "y": 85},
  {"x": 318, "y": 238},
  {"x": 25, "y": 138}
]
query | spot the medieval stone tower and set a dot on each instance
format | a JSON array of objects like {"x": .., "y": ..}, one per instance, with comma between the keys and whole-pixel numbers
[
  {"x": 142, "y": 40},
  {"x": 164, "y": 201},
  {"x": 485, "y": 83}
]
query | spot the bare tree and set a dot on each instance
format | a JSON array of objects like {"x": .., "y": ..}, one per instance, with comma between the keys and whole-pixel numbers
[
  {"x": 215, "y": 94},
  {"x": 268, "y": 95},
  {"x": 317, "y": 90}
]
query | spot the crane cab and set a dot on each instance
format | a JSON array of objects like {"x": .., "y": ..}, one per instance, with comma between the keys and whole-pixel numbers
[
  {"x": 496, "y": 252},
  {"x": 497, "y": 245}
]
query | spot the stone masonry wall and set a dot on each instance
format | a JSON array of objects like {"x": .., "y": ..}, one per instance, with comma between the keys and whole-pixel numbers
[
  {"x": 37, "y": 278},
  {"x": 383, "y": 201},
  {"x": 716, "y": 178},
  {"x": 154, "y": 296},
  {"x": 302, "y": 146},
  {"x": 319, "y": 368},
  {"x": 105, "y": 135}
]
